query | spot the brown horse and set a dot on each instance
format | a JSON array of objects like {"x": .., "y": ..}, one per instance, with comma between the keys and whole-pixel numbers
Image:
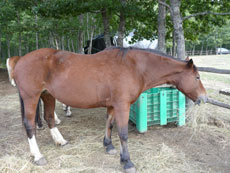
[{"x": 113, "y": 78}]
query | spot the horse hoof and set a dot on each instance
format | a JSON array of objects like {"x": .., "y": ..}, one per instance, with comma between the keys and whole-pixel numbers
[
  {"x": 42, "y": 161},
  {"x": 110, "y": 149},
  {"x": 130, "y": 170},
  {"x": 64, "y": 143},
  {"x": 57, "y": 121},
  {"x": 111, "y": 152},
  {"x": 68, "y": 114},
  {"x": 40, "y": 128}
]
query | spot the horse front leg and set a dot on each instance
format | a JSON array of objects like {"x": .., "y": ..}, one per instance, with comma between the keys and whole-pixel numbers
[
  {"x": 40, "y": 117},
  {"x": 121, "y": 113},
  {"x": 109, "y": 126},
  {"x": 49, "y": 106},
  {"x": 28, "y": 109}
]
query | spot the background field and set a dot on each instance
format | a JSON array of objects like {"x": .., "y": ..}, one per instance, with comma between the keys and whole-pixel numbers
[{"x": 200, "y": 146}]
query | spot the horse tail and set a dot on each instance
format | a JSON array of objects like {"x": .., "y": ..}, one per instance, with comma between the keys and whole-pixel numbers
[
  {"x": 22, "y": 107},
  {"x": 38, "y": 118},
  {"x": 10, "y": 64}
]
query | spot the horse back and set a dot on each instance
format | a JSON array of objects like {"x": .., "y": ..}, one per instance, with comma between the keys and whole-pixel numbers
[{"x": 79, "y": 80}]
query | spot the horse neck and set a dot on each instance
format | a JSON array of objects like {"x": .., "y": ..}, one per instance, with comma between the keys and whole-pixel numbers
[{"x": 159, "y": 70}]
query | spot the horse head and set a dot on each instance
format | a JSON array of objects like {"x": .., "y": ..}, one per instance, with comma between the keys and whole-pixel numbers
[{"x": 190, "y": 84}]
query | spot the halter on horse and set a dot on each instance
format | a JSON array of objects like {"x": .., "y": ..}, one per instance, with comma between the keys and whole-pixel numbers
[{"x": 113, "y": 78}]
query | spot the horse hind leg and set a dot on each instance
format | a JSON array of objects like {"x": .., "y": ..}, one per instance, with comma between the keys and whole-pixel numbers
[
  {"x": 49, "y": 106},
  {"x": 28, "y": 110},
  {"x": 109, "y": 126}
]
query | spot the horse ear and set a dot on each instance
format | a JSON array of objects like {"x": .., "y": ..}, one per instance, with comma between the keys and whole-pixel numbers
[
  {"x": 190, "y": 63},
  {"x": 187, "y": 59}
]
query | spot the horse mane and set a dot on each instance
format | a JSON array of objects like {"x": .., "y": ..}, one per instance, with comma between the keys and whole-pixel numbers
[
  {"x": 124, "y": 51},
  {"x": 154, "y": 51}
]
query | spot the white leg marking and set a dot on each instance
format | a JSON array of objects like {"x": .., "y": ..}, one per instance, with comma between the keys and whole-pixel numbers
[
  {"x": 57, "y": 137},
  {"x": 57, "y": 120},
  {"x": 34, "y": 149},
  {"x": 68, "y": 111},
  {"x": 64, "y": 107},
  {"x": 13, "y": 83}
]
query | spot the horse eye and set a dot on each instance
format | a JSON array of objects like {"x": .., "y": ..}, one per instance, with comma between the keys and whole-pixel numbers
[{"x": 198, "y": 78}]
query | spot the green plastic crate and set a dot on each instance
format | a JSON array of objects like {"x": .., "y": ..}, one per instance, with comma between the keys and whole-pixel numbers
[{"x": 158, "y": 106}]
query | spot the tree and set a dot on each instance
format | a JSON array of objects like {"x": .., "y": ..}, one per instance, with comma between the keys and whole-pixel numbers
[
  {"x": 161, "y": 30},
  {"x": 191, "y": 9}
]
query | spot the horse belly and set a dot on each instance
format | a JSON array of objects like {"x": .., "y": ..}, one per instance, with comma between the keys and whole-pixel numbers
[{"x": 81, "y": 94}]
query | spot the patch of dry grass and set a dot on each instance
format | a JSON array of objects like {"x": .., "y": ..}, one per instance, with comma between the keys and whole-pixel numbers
[{"x": 85, "y": 152}]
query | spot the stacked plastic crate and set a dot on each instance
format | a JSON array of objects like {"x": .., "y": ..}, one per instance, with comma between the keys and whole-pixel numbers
[{"x": 158, "y": 106}]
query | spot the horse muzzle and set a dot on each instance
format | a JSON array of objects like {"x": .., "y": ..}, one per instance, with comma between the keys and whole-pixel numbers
[{"x": 201, "y": 99}]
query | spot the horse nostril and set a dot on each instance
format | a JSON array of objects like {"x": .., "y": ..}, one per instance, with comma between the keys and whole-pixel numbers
[
  {"x": 203, "y": 98},
  {"x": 197, "y": 102}
]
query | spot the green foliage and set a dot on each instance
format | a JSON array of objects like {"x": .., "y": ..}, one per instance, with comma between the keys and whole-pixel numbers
[{"x": 57, "y": 19}]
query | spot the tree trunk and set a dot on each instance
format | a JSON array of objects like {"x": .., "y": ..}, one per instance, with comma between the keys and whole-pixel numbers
[
  {"x": 174, "y": 45},
  {"x": 52, "y": 42},
  {"x": 105, "y": 19},
  {"x": 20, "y": 44},
  {"x": 72, "y": 45},
  {"x": 121, "y": 29},
  {"x": 87, "y": 26},
  {"x": 178, "y": 27},
  {"x": 201, "y": 50},
  {"x": 63, "y": 42},
  {"x": 27, "y": 47},
  {"x": 68, "y": 43},
  {"x": 36, "y": 23},
  {"x": 19, "y": 37},
  {"x": 80, "y": 36},
  {"x": 37, "y": 46},
  {"x": 56, "y": 42},
  {"x": 161, "y": 27},
  {"x": 193, "y": 50},
  {"x": 8, "y": 45},
  {"x": 1, "y": 54},
  {"x": 91, "y": 41}
]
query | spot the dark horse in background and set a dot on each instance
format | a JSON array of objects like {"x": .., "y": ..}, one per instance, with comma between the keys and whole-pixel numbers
[{"x": 113, "y": 78}]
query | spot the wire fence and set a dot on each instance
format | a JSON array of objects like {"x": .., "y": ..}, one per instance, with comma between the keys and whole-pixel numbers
[{"x": 201, "y": 52}]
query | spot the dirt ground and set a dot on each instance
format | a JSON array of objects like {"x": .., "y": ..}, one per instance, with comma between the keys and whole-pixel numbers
[{"x": 161, "y": 149}]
